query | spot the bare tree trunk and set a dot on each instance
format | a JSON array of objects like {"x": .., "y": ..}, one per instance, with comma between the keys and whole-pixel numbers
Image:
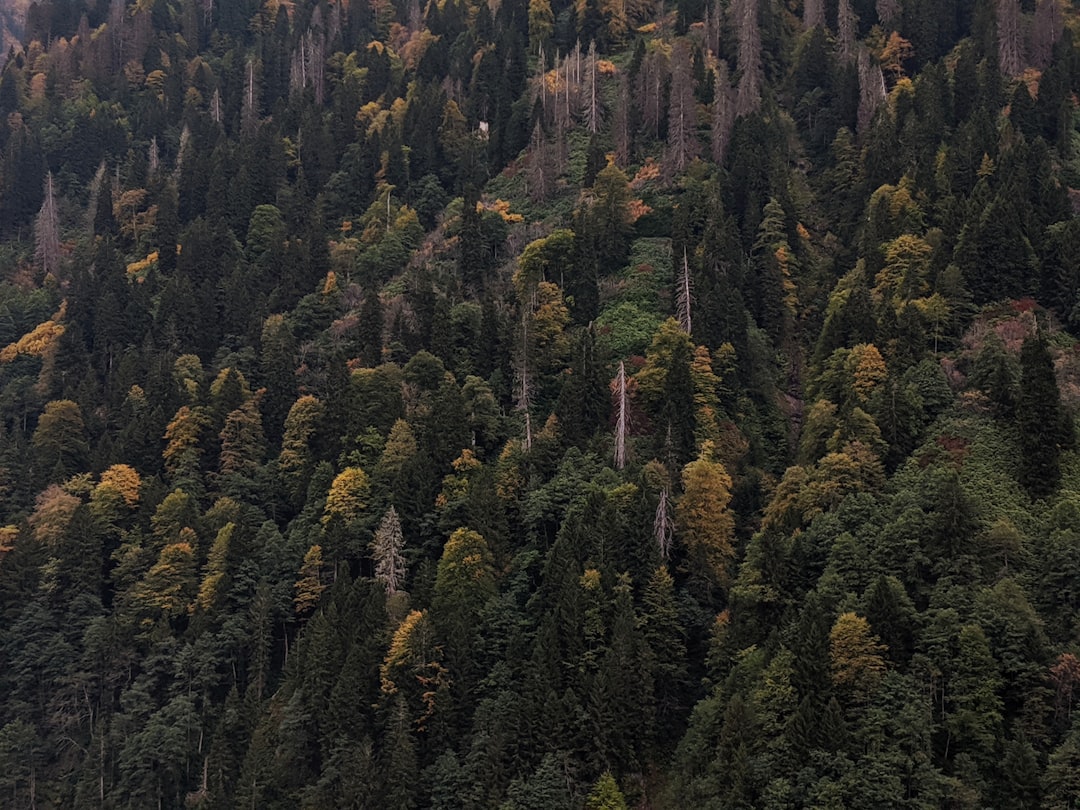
[
  {"x": 684, "y": 295},
  {"x": 524, "y": 393},
  {"x": 47, "y": 231},
  {"x": 249, "y": 114},
  {"x": 621, "y": 418},
  {"x": 592, "y": 113},
  {"x": 664, "y": 525},
  {"x": 682, "y": 112},
  {"x": 1047, "y": 31},
  {"x": 215, "y": 107},
  {"x": 846, "y": 23},
  {"x": 723, "y": 117},
  {"x": 748, "y": 99},
  {"x": 621, "y": 125},
  {"x": 813, "y": 13},
  {"x": 1010, "y": 48},
  {"x": 871, "y": 89},
  {"x": 887, "y": 11}
]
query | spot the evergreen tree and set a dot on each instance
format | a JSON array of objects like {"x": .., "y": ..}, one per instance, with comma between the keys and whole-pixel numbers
[{"x": 1039, "y": 418}]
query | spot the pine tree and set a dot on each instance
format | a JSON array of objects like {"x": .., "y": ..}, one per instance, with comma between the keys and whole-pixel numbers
[
  {"x": 1039, "y": 419},
  {"x": 605, "y": 795}
]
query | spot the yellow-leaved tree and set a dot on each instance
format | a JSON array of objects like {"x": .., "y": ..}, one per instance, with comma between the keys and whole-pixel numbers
[
  {"x": 705, "y": 522},
  {"x": 309, "y": 584},
  {"x": 346, "y": 505},
  {"x": 855, "y": 655}
]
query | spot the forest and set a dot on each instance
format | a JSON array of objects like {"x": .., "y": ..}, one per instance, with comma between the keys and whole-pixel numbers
[{"x": 536, "y": 404}]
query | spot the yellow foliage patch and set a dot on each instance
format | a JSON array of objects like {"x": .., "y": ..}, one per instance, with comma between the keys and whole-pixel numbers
[
  {"x": 138, "y": 269},
  {"x": 8, "y": 535},
  {"x": 39, "y": 341},
  {"x": 606, "y": 68},
  {"x": 502, "y": 208},
  {"x": 637, "y": 209},
  {"x": 650, "y": 170},
  {"x": 125, "y": 480}
]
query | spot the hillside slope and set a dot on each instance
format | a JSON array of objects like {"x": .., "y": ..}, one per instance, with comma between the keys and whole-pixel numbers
[{"x": 539, "y": 405}]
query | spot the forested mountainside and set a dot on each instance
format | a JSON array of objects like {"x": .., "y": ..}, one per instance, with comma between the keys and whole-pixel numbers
[{"x": 540, "y": 405}]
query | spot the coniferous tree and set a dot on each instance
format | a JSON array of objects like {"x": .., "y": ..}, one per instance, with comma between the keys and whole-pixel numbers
[{"x": 1039, "y": 418}]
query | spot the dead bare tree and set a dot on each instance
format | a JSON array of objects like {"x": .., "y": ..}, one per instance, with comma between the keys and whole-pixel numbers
[
  {"x": 622, "y": 415},
  {"x": 593, "y": 117},
  {"x": 748, "y": 28},
  {"x": 682, "y": 111},
  {"x": 1010, "y": 47},
  {"x": 47, "y": 231},
  {"x": 386, "y": 548},
  {"x": 684, "y": 295},
  {"x": 1046, "y": 31},
  {"x": 888, "y": 11},
  {"x": 847, "y": 26},
  {"x": 871, "y": 89},
  {"x": 723, "y": 112},
  {"x": 664, "y": 525}
]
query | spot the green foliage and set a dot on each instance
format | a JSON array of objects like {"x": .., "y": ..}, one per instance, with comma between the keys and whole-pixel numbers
[{"x": 306, "y": 471}]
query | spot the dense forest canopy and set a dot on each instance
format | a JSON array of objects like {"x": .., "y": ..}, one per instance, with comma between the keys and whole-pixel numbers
[{"x": 535, "y": 404}]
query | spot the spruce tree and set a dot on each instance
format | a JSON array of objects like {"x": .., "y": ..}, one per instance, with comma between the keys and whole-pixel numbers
[{"x": 1039, "y": 419}]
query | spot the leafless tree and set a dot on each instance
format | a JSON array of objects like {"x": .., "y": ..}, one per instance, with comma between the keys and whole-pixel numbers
[
  {"x": 664, "y": 525},
  {"x": 1046, "y": 32},
  {"x": 748, "y": 28},
  {"x": 153, "y": 158},
  {"x": 386, "y": 548},
  {"x": 723, "y": 112},
  {"x": 622, "y": 415},
  {"x": 249, "y": 109},
  {"x": 524, "y": 379},
  {"x": 682, "y": 111},
  {"x": 47, "y": 231},
  {"x": 541, "y": 165},
  {"x": 593, "y": 111},
  {"x": 871, "y": 89},
  {"x": 684, "y": 295},
  {"x": 651, "y": 78},
  {"x": 813, "y": 13},
  {"x": 1010, "y": 47},
  {"x": 621, "y": 123},
  {"x": 847, "y": 27},
  {"x": 888, "y": 11},
  {"x": 215, "y": 106}
]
